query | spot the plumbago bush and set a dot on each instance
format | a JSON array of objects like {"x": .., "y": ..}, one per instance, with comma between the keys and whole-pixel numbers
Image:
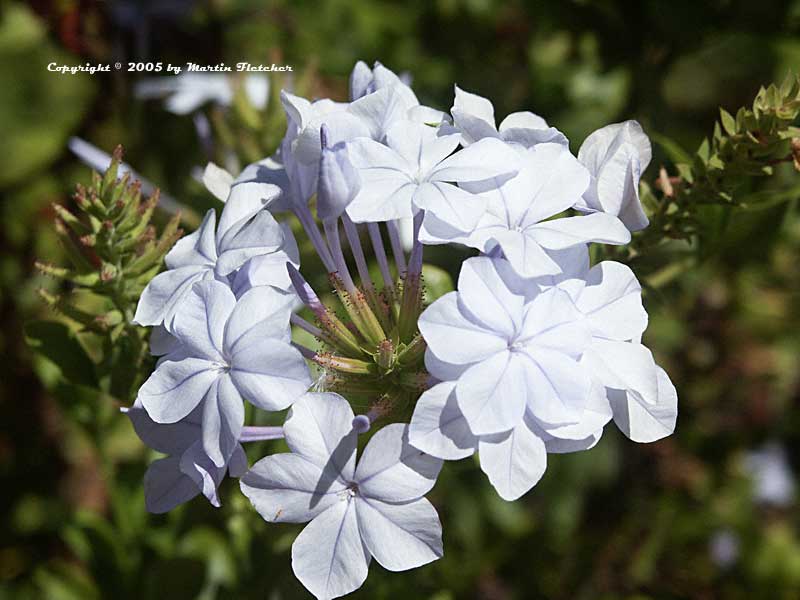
[{"x": 535, "y": 352}]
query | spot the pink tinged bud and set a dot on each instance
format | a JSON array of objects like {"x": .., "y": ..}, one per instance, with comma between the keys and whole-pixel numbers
[{"x": 338, "y": 180}]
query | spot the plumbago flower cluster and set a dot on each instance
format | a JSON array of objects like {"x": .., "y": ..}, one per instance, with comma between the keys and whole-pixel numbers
[{"x": 534, "y": 353}]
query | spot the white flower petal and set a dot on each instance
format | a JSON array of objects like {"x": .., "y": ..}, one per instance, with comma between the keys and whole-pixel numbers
[
  {"x": 612, "y": 302},
  {"x": 552, "y": 321},
  {"x": 453, "y": 337},
  {"x": 217, "y": 181},
  {"x": 624, "y": 366},
  {"x": 163, "y": 295},
  {"x": 592, "y": 419},
  {"x": 596, "y": 227},
  {"x": 206, "y": 476},
  {"x": 492, "y": 393},
  {"x": 514, "y": 461},
  {"x": 381, "y": 109},
  {"x": 265, "y": 308},
  {"x": 523, "y": 120},
  {"x": 288, "y": 488},
  {"x": 265, "y": 270},
  {"x": 342, "y": 126},
  {"x": 484, "y": 294},
  {"x": 329, "y": 557},
  {"x": 175, "y": 388},
  {"x": 599, "y": 145},
  {"x": 559, "y": 388},
  {"x": 528, "y": 138},
  {"x": 475, "y": 105},
  {"x": 197, "y": 248},
  {"x": 269, "y": 170},
  {"x": 270, "y": 376},
  {"x": 223, "y": 418},
  {"x": 320, "y": 428},
  {"x": 438, "y": 427},
  {"x": 246, "y": 199},
  {"x": 525, "y": 254},
  {"x": 200, "y": 322},
  {"x": 360, "y": 80},
  {"x": 249, "y": 237},
  {"x": 484, "y": 159},
  {"x": 449, "y": 203},
  {"x": 400, "y": 536},
  {"x": 173, "y": 438},
  {"x": 165, "y": 486},
  {"x": 442, "y": 370},
  {"x": 642, "y": 421},
  {"x": 392, "y": 470}
]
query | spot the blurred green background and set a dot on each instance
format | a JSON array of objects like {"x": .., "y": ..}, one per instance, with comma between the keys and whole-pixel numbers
[{"x": 710, "y": 512}]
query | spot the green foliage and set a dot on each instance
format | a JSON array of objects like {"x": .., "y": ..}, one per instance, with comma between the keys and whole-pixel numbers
[
  {"x": 30, "y": 141},
  {"x": 722, "y": 170},
  {"x": 114, "y": 252},
  {"x": 624, "y": 521}
]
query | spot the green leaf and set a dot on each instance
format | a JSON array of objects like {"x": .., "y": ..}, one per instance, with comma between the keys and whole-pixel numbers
[
  {"x": 59, "y": 344},
  {"x": 728, "y": 122}
]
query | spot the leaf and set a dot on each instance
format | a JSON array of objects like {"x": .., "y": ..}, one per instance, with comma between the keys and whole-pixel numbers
[
  {"x": 728, "y": 122},
  {"x": 59, "y": 344}
]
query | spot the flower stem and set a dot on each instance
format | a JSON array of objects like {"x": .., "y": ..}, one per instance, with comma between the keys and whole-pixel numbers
[
  {"x": 397, "y": 248},
  {"x": 254, "y": 433}
]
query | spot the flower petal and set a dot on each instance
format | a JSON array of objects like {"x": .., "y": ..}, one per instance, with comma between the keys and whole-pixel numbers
[
  {"x": 265, "y": 308},
  {"x": 223, "y": 418},
  {"x": 484, "y": 159},
  {"x": 392, "y": 470},
  {"x": 612, "y": 302},
  {"x": 288, "y": 488},
  {"x": 320, "y": 428},
  {"x": 197, "y": 248},
  {"x": 525, "y": 254},
  {"x": 571, "y": 231},
  {"x": 175, "y": 388},
  {"x": 458, "y": 208},
  {"x": 453, "y": 337},
  {"x": 556, "y": 180},
  {"x": 642, "y": 421},
  {"x": 200, "y": 323},
  {"x": 173, "y": 438},
  {"x": 160, "y": 299},
  {"x": 165, "y": 486},
  {"x": 245, "y": 201},
  {"x": 624, "y": 366},
  {"x": 438, "y": 427},
  {"x": 329, "y": 557},
  {"x": 217, "y": 181},
  {"x": 514, "y": 461},
  {"x": 270, "y": 376},
  {"x": 473, "y": 115},
  {"x": 492, "y": 393},
  {"x": 252, "y": 236},
  {"x": 207, "y": 476},
  {"x": 484, "y": 294},
  {"x": 400, "y": 536},
  {"x": 559, "y": 387},
  {"x": 553, "y": 321}
]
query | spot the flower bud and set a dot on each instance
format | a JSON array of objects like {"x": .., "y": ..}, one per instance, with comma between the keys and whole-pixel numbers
[{"x": 338, "y": 181}]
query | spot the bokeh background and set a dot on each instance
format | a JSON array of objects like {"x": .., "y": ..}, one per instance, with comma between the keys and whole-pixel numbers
[{"x": 710, "y": 512}]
